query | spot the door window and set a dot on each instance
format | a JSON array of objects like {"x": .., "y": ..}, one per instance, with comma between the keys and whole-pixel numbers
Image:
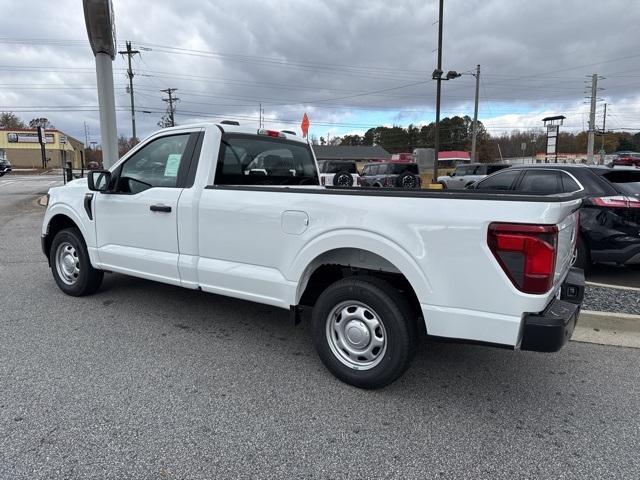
[
  {"x": 545, "y": 182},
  {"x": 499, "y": 181},
  {"x": 154, "y": 165}
]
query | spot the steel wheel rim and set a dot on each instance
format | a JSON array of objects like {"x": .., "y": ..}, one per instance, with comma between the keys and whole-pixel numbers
[
  {"x": 356, "y": 335},
  {"x": 67, "y": 263}
]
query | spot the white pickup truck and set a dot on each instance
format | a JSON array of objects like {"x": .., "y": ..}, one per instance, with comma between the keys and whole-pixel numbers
[{"x": 376, "y": 266}]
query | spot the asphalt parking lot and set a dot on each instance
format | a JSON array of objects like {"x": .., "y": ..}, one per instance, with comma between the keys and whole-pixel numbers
[{"x": 145, "y": 380}]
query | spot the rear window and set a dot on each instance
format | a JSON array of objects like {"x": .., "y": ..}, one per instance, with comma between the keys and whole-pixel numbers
[
  {"x": 398, "y": 168},
  {"x": 252, "y": 160},
  {"x": 625, "y": 181},
  {"x": 335, "y": 167}
]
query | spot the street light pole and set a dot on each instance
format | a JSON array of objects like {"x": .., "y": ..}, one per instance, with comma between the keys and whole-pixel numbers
[
  {"x": 475, "y": 116},
  {"x": 436, "y": 143}
]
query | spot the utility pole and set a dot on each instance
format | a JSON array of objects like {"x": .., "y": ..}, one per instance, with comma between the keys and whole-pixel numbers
[
  {"x": 130, "y": 53},
  {"x": 592, "y": 118},
  {"x": 261, "y": 122},
  {"x": 171, "y": 100},
  {"x": 84, "y": 150},
  {"x": 436, "y": 144},
  {"x": 475, "y": 116},
  {"x": 604, "y": 124}
]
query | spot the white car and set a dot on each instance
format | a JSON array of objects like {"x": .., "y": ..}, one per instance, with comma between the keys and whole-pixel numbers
[
  {"x": 374, "y": 266},
  {"x": 339, "y": 173}
]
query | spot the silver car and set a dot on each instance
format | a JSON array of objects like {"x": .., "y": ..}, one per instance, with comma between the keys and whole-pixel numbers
[{"x": 466, "y": 175}]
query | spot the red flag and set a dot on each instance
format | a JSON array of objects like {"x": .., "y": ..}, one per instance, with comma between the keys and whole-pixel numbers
[{"x": 305, "y": 125}]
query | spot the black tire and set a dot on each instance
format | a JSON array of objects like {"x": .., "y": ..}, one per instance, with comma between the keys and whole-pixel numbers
[
  {"x": 407, "y": 180},
  {"x": 444, "y": 185},
  {"x": 399, "y": 330},
  {"x": 342, "y": 179},
  {"x": 583, "y": 258},
  {"x": 2, "y": 174},
  {"x": 70, "y": 244}
]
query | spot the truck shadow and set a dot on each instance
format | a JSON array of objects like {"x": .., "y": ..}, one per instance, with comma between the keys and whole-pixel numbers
[{"x": 442, "y": 375}]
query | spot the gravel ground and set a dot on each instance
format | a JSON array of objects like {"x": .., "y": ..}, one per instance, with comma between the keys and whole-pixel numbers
[{"x": 603, "y": 299}]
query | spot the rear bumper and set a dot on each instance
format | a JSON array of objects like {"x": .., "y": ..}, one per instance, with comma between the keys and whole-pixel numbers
[
  {"x": 5, "y": 169},
  {"x": 551, "y": 329}
]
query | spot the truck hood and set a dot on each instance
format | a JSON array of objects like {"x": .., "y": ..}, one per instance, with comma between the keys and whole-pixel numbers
[{"x": 77, "y": 183}]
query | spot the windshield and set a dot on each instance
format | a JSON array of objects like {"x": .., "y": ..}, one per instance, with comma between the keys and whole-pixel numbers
[
  {"x": 625, "y": 181},
  {"x": 253, "y": 160}
]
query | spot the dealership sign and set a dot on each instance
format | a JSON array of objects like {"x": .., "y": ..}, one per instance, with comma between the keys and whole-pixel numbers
[{"x": 24, "y": 137}]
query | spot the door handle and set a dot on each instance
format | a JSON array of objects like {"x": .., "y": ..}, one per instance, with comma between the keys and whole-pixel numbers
[{"x": 160, "y": 208}]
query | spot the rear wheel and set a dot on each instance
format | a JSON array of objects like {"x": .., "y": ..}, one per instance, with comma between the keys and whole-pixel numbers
[
  {"x": 71, "y": 266},
  {"x": 364, "y": 331}
]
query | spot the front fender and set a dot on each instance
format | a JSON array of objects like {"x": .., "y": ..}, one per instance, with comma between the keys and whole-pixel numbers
[{"x": 303, "y": 264}]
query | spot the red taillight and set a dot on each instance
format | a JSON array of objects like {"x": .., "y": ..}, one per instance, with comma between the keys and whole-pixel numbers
[
  {"x": 526, "y": 253},
  {"x": 359, "y": 181},
  {"x": 618, "y": 201}
]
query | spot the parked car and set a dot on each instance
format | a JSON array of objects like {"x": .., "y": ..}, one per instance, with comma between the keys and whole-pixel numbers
[
  {"x": 339, "y": 173},
  {"x": 610, "y": 214},
  {"x": 5, "y": 166},
  {"x": 466, "y": 175},
  {"x": 372, "y": 265},
  {"x": 626, "y": 160},
  {"x": 391, "y": 175}
]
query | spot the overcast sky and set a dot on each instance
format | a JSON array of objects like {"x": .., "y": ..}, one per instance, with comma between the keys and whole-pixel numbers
[{"x": 349, "y": 65}]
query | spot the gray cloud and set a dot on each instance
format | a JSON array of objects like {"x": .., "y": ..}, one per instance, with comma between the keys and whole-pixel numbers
[{"x": 322, "y": 57}]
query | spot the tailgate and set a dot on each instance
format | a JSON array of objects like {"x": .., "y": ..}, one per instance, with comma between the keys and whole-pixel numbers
[{"x": 567, "y": 238}]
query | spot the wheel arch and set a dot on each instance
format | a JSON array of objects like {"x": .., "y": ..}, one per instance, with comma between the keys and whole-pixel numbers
[
  {"x": 58, "y": 218},
  {"x": 357, "y": 251}
]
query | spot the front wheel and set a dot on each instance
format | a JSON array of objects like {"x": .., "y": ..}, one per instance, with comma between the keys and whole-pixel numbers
[
  {"x": 364, "y": 331},
  {"x": 70, "y": 264}
]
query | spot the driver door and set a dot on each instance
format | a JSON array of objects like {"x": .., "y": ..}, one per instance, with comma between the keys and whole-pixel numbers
[{"x": 136, "y": 220}]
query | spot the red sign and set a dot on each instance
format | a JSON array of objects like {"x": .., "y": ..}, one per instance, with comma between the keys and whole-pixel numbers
[{"x": 305, "y": 125}]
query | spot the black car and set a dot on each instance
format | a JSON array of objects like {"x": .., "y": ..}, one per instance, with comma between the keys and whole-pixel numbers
[
  {"x": 610, "y": 213},
  {"x": 391, "y": 175},
  {"x": 5, "y": 166}
]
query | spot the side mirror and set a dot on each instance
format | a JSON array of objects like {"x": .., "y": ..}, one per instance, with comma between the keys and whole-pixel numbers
[
  {"x": 452, "y": 174},
  {"x": 99, "y": 180}
]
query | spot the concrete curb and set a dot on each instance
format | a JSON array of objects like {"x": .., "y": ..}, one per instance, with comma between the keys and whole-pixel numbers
[
  {"x": 618, "y": 287},
  {"x": 606, "y": 328}
]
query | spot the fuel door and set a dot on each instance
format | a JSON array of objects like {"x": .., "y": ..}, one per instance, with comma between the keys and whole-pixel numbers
[{"x": 294, "y": 222}]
